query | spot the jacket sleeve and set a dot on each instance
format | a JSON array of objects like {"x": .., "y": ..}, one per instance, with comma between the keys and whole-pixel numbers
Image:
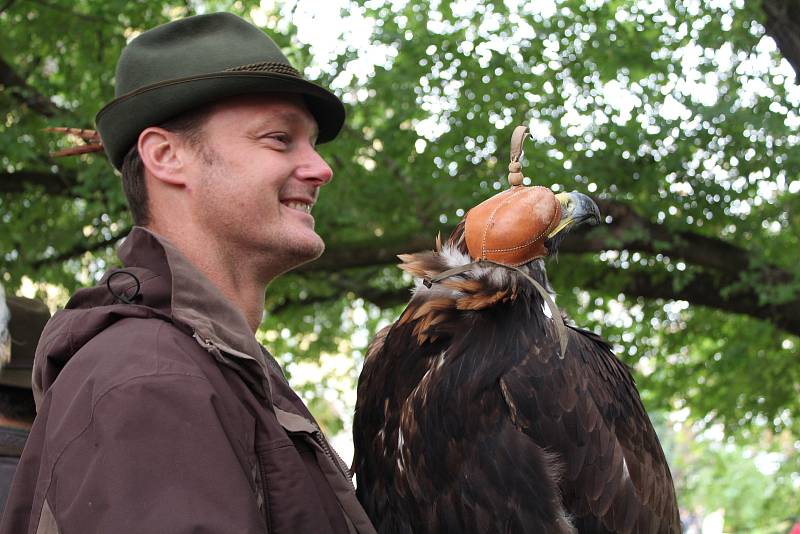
[{"x": 157, "y": 456}]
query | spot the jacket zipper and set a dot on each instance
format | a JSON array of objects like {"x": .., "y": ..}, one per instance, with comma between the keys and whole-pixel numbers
[
  {"x": 203, "y": 342},
  {"x": 316, "y": 435},
  {"x": 333, "y": 456}
]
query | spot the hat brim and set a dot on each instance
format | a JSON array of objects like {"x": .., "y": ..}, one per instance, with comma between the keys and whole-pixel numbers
[{"x": 122, "y": 120}]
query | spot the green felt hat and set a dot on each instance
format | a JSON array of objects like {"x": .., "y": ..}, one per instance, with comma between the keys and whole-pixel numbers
[{"x": 195, "y": 61}]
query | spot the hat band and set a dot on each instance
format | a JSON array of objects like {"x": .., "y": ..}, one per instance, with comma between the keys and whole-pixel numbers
[{"x": 267, "y": 66}]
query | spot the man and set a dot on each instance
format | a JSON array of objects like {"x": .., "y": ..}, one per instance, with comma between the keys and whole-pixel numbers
[
  {"x": 158, "y": 410},
  {"x": 21, "y": 323}
]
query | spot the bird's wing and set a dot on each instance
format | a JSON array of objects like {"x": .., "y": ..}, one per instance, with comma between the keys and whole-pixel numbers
[
  {"x": 396, "y": 361},
  {"x": 434, "y": 450},
  {"x": 367, "y": 418},
  {"x": 585, "y": 408}
]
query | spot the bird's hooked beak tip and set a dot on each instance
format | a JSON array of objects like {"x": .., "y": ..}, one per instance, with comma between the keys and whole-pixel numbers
[
  {"x": 576, "y": 209},
  {"x": 594, "y": 217}
]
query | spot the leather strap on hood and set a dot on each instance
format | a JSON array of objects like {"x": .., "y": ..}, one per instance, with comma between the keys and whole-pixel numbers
[{"x": 515, "y": 176}]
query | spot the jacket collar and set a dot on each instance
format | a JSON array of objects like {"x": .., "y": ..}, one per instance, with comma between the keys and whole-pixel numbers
[{"x": 194, "y": 300}]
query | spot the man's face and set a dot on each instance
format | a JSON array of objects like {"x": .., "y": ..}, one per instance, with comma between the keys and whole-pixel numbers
[{"x": 260, "y": 176}]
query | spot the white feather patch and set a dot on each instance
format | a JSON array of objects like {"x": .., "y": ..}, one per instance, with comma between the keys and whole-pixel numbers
[
  {"x": 453, "y": 257},
  {"x": 492, "y": 275}
]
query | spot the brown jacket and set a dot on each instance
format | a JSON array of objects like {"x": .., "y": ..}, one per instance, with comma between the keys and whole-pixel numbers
[{"x": 164, "y": 415}]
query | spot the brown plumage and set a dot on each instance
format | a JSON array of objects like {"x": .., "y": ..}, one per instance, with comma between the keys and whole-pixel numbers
[{"x": 468, "y": 421}]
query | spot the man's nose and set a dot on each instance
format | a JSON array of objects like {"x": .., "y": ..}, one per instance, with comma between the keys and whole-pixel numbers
[{"x": 314, "y": 168}]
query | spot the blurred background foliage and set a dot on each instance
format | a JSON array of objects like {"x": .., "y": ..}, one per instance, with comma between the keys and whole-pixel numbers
[{"x": 680, "y": 117}]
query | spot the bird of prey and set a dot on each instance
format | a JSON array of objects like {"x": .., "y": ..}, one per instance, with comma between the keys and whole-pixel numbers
[{"x": 479, "y": 411}]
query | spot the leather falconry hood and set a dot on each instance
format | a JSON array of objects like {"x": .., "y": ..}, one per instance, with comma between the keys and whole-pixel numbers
[{"x": 510, "y": 228}]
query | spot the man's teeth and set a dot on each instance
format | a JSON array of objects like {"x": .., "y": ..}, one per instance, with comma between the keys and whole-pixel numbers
[{"x": 301, "y": 206}]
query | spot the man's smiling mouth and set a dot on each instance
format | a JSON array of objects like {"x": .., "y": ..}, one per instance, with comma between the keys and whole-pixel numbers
[{"x": 305, "y": 207}]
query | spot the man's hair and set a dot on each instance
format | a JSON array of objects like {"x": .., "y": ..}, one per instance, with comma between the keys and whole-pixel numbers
[
  {"x": 17, "y": 404},
  {"x": 189, "y": 125}
]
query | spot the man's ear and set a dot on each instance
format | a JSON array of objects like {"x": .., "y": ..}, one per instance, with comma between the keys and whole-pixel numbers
[{"x": 163, "y": 154}]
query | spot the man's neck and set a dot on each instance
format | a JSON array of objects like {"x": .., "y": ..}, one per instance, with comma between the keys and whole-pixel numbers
[{"x": 238, "y": 278}]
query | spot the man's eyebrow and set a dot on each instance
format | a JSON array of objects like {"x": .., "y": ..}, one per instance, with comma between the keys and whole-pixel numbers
[{"x": 287, "y": 117}]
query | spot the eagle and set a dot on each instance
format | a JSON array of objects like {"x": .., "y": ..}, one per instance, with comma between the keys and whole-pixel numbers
[{"x": 479, "y": 410}]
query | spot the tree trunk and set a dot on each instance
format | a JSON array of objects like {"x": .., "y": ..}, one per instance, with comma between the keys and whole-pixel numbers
[{"x": 783, "y": 25}]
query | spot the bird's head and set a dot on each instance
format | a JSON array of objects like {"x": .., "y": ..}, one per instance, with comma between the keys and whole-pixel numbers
[
  {"x": 522, "y": 224},
  {"x": 494, "y": 255},
  {"x": 576, "y": 210}
]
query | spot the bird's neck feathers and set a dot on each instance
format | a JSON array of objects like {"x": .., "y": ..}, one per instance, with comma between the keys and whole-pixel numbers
[{"x": 479, "y": 287}]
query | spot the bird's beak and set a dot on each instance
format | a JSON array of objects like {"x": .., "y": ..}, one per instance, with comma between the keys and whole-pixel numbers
[{"x": 576, "y": 209}]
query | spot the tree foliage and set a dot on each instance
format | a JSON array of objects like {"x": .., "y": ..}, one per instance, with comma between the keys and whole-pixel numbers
[{"x": 679, "y": 117}]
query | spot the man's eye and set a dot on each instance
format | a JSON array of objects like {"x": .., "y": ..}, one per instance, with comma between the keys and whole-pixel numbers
[{"x": 280, "y": 138}]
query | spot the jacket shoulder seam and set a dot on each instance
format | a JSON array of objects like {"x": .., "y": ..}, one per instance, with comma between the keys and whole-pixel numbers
[
  {"x": 97, "y": 401},
  {"x": 162, "y": 324}
]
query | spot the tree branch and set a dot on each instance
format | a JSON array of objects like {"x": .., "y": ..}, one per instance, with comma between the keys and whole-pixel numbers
[
  {"x": 364, "y": 253},
  {"x": 53, "y": 183},
  {"x": 7, "y": 5},
  {"x": 80, "y": 249},
  {"x": 381, "y": 297},
  {"x": 722, "y": 264},
  {"x": 24, "y": 93},
  {"x": 629, "y": 230},
  {"x": 703, "y": 290},
  {"x": 783, "y": 25},
  {"x": 83, "y": 16},
  {"x": 709, "y": 290}
]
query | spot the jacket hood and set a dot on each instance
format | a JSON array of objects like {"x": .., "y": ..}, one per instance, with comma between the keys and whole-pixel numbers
[{"x": 157, "y": 281}]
